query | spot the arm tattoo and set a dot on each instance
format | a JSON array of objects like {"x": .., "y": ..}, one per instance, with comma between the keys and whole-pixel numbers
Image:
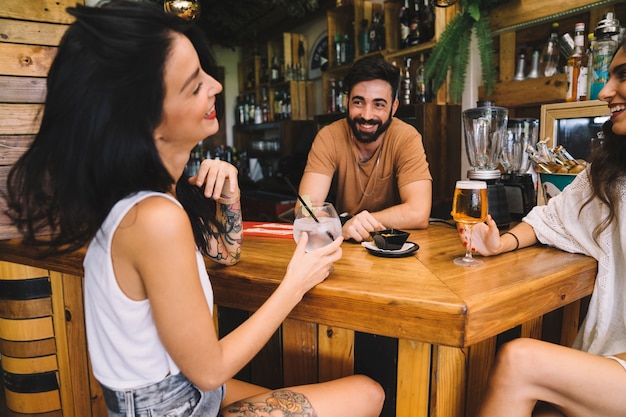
[
  {"x": 283, "y": 403},
  {"x": 230, "y": 219}
]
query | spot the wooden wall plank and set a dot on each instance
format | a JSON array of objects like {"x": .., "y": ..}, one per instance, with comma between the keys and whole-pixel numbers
[
  {"x": 35, "y": 33},
  {"x": 26, "y": 60},
  {"x": 12, "y": 147},
  {"x": 39, "y": 10},
  {"x": 20, "y": 119},
  {"x": 22, "y": 89}
]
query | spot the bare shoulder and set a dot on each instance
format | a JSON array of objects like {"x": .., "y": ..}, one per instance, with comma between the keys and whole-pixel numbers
[{"x": 156, "y": 217}]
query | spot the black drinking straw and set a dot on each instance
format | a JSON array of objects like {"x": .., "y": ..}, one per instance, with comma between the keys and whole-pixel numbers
[{"x": 330, "y": 235}]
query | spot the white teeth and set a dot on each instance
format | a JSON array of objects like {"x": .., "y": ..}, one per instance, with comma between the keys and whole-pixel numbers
[{"x": 618, "y": 108}]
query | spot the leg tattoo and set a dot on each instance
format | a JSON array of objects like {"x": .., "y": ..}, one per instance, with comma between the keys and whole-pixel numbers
[{"x": 281, "y": 404}]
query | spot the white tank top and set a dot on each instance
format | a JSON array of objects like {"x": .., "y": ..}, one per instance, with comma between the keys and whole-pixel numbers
[{"x": 124, "y": 347}]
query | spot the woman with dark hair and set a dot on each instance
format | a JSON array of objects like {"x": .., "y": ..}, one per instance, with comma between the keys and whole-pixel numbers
[
  {"x": 130, "y": 93},
  {"x": 535, "y": 378}
]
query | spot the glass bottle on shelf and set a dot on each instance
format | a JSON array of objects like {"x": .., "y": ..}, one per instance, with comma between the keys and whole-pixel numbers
[
  {"x": 403, "y": 21},
  {"x": 606, "y": 42},
  {"x": 427, "y": 21},
  {"x": 364, "y": 38},
  {"x": 549, "y": 60},
  {"x": 348, "y": 46},
  {"x": 414, "y": 25},
  {"x": 341, "y": 105},
  {"x": 375, "y": 39},
  {"x": 405, "y": 91},
  {"x": 421, "y": 90},
  {"x": 275, "y": 72},
  {"x": 265, "y": 107},
  {"x": 575, "y": 69},
  {"x": 332, "y": 96},
  {"x": 520, "y": 69},
  {"x": 239, "y": 109},
  {"x": 278, "y": 105},
  {"x": 246, "y": 110},
  {"x": 339, "y": 50},
  {"x": 534, "y": 65}
]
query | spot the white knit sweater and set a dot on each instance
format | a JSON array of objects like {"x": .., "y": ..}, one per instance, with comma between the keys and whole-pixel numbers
[{"x": 562, "y": 224}]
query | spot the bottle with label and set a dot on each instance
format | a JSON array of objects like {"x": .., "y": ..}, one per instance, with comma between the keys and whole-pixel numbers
[
  {"x": 364, "y": 38},
  {"x": 426, "y": 15},
  {"x": 414, "y": 25},
  {"x": 404, "y": 20},
  {"x": 574, "y": 69},
  {"x": 405, "y": 91},
  {"x": 549, "y": 60},
  {"x": 376, "y": 34},
  {"x": 341, "y": 105},
  {"x": 340, "y": 54},
  {"x": 332, "y": 97},
  {"x": 605, "y": 45},
  {"x": 421, "y": 90},
  {"x": 275, "y": 71}
]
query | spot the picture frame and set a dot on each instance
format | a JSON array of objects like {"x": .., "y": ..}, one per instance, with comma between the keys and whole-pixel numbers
[{"x": 573, "y": 125}]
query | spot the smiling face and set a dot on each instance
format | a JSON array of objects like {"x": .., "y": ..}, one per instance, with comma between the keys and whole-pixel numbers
[
  {"x": 614, "y": 92},
  {"x": 370, "y": 109},
  {"x": 189, "y": 114}
]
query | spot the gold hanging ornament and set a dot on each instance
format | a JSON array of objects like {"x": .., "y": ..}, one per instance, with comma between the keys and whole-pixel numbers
[{"x": 185, "y": 9}]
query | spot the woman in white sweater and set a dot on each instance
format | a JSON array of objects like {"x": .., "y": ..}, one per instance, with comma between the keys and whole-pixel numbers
[{"x": 536, "y": 378}]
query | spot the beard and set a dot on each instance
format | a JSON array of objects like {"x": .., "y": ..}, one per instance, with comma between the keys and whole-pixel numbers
[{"x": 366, "y": 137}]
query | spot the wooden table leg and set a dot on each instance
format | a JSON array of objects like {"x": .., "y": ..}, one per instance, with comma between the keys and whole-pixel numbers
[
  {"x": 299, "y": 352},
  {"x": 481, "y": 359},
  {"x": 448, "y": 382},
  {"x": 336, "y": 352},
  {"x": 413, "y": 378}
]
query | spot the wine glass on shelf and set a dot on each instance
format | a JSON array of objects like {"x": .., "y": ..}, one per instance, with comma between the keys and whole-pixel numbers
[
  {"x": 469, "y": 206},
  {"x": 321, "y": 223}
]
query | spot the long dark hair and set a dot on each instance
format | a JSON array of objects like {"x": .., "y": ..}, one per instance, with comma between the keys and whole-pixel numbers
[
  {"x": 608, "y": 167},
  {"x": 95, "y": 145}
]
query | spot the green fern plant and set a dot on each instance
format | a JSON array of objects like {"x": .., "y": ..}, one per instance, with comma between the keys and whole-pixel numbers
[{"x": 452, "y": 50}]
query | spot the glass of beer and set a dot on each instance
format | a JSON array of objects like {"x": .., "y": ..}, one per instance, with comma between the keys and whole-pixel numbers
[{"x": 469, "y": 206}]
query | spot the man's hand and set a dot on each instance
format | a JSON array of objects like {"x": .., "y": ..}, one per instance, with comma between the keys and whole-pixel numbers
[{"x": 359, "y": 227}]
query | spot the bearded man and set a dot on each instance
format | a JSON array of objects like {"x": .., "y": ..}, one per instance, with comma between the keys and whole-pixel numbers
[{"x": 374, "y": 162}]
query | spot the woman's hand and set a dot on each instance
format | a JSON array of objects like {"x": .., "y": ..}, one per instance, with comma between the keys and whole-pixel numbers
[
  {"x": 485, "y": 237},
  {"x": 307, "y": 269},
  {"x": 219, "y": 179}
]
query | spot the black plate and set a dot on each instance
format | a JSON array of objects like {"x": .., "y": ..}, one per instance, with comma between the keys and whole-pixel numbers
[{"x": 407, "y": 249}]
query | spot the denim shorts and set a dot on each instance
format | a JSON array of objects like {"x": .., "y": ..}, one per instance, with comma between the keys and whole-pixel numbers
[{"x": 175, "y": 396}]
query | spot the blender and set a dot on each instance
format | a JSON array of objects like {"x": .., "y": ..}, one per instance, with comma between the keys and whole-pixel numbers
[
  {"x": 484, "y": 128},
  {"x": 518, "y": 182}
]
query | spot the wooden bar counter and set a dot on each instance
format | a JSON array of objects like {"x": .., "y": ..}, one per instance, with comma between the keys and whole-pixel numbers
[{"x": 445, "y": 317}]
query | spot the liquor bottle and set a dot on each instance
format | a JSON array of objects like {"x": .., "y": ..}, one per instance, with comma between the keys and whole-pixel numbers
[
  {"x": 403, "y": 20},
  {"x": 275, "y": 69},
  {"x": 591, "y": 40},
  {"x": 534, "y": 65},
  {"x": 605, "y": 45},
  {"x": 348, "y": 46},
  {"x": 375, "y": 32},
  {"x": 341, "y": 105},
  {"x": 427, "y": 21},
  {"x": 338, "y": 49},
  {"x": 406, "y": 83},
  {"x": 332, "y": 97},
  {"x": 520, "y": 69},
  {"x": 364, "y": 38},
  {"x": 300, "y": 73},
  {"x": 575, "y": 65},
  {"x": 278, "y": 105},
  {"x": 414, "y": 25},
  {"x": 421, "y": 90},
  {"x": 265, "y": 107},
  {"x": 549, "y": 61},
  {"x": 240, "y": 120},
  {"x": 246, "y": 110}
]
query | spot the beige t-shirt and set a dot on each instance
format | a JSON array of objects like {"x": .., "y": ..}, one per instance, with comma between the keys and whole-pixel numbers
[{"x": 401, "y": 161}]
